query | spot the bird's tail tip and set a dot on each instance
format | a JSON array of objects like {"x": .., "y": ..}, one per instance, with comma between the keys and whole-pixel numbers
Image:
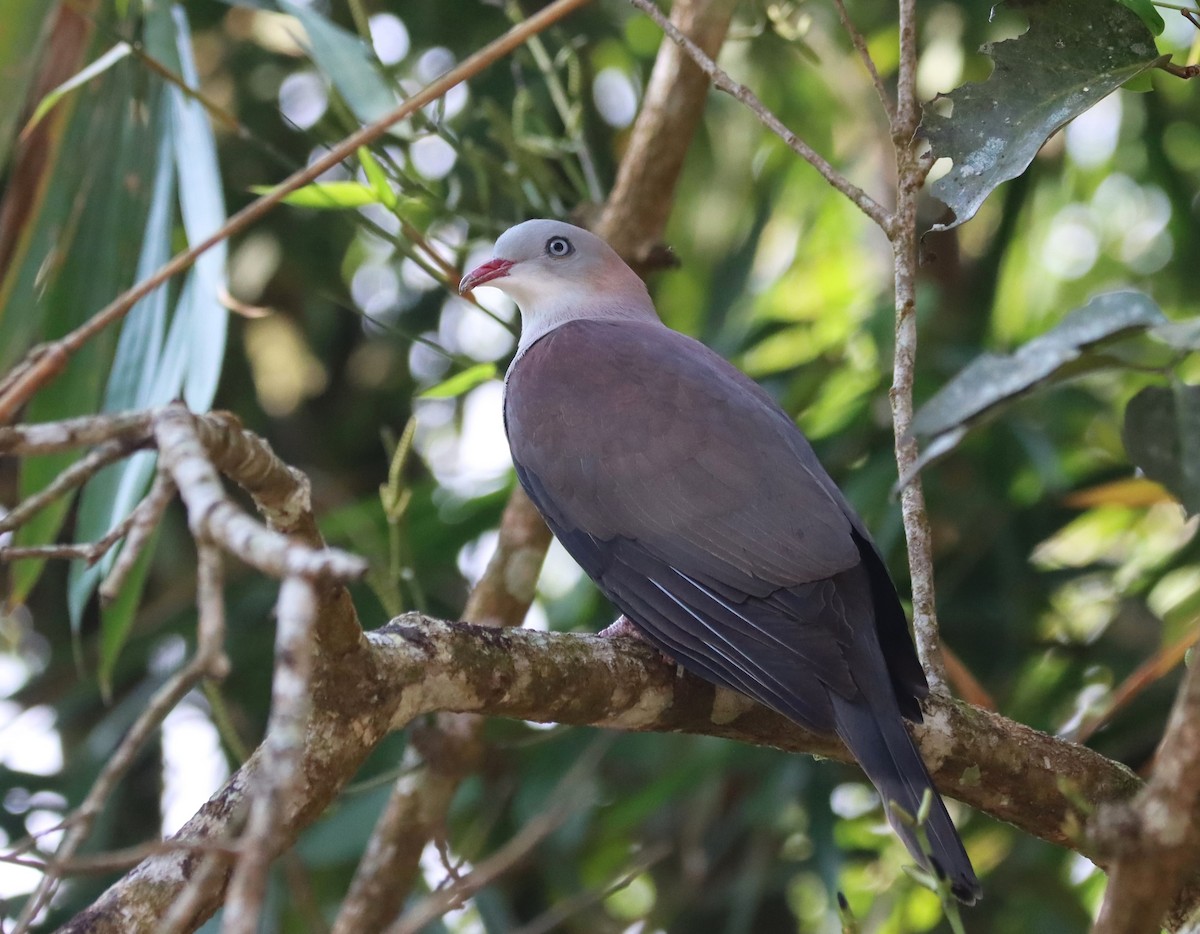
[
  {"x": 939, "y": 848},
  {"x": 963, "y": 884}
]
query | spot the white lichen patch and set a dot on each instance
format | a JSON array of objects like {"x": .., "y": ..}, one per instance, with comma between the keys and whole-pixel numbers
[
  {"x": 728, "y": 706},
  {"x": 936, "y": 739},
  {"x": 646, "y": 709},
  {"x": 1161, "y": 824}
]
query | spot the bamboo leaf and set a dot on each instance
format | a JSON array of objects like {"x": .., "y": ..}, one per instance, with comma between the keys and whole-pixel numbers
[
  {"x": 461, "y": 383},
  {"x": 377, "y": 177},
  {"x": 98, "y": 67},
  {"x": 202, "y": 207},
  {"x": 328, "y": 196},
  {"x": 346, "y": 61}
]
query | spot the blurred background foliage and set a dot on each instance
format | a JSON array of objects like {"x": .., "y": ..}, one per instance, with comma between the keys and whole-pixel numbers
[{"x": 1059, "y": 572}]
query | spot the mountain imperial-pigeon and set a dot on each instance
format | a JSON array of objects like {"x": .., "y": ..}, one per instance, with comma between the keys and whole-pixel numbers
[{"x": 699, "y": 509}]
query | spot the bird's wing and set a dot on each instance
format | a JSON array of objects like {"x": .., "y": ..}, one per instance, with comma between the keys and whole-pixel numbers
[{"x": 696, "y": 505}]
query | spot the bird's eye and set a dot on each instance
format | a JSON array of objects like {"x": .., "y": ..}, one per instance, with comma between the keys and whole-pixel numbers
[{"x": 559, "y": 246}]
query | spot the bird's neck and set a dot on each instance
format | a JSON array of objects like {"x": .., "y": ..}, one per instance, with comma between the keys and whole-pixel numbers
[{"x": 540, "y": 318}]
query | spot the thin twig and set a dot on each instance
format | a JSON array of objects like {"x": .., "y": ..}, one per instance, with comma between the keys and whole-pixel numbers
[
  {"x": 860, "y": 46},
  {"x": 86, "y": 431},
  {"x": 908, "y": 110},
  {"x": 140, "y": 525},
  {"x": 275, "y": 794},
  {"x": 161, "y": 703},
  {"x": 721, "y": 80},
  {"x": 45, "y": 362},
  {"x": 212, "y": 514},
  {"x": 113, "y": 860},
  {"x": 564, "y": 799},
  {"x": 74, "y": 476},
  {"x": 902, "y": 231},
  {"x": 210, "y": 606},
  {"x": 88, "y": 551}
]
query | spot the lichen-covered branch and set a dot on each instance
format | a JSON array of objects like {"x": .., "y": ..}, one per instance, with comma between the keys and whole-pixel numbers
[
  {"x": 445, "y": 752},
  {"x": 1154, "y": 839},
  {"x": 417, "y": 665}
]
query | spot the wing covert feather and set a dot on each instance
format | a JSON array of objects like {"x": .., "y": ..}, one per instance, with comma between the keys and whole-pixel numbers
[{"x": 629, "y": 434}]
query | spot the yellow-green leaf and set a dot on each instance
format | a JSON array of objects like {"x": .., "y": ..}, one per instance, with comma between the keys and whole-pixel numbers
[
  {"x": 460, "y": 383},
  {"x": 378, "y": 178},
  {"x": 329, "y": 196},
  {"x": 99, "y": 66}
]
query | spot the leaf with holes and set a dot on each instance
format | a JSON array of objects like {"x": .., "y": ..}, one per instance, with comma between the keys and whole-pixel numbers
[{"x": 1075, "y": 53}]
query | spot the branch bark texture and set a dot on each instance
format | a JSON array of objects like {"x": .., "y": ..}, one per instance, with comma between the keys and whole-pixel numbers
[
  {"x": 1155, "y": 838},
  {"x": 416, "y": 665}
]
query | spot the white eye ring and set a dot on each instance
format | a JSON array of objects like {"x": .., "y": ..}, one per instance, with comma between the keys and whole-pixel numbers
[{"x": 559, "y": 247}]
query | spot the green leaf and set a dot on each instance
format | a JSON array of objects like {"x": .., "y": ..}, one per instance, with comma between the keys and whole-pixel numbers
[
  {"x": 202, "y": 207},
  {"x": 83, "y": 220},
  {"x": 994, "y": 379},
  {"x": 1150, "y": 16},
  {"x": 377, "y": 177},
  {"x": 1181, "y": 335},
  {"x": 110, "y": 495},
  {"x": 460, "y": 383},
  {"x": 347, "y": 61},
  {"x": 116, "y": 619},
  {"x": 415, "y": 211},
  {"x": 1162, "y": 436},
  {"x": 148, "y": 370},
  {"x": 328, "y": 196},
  {"x": 1075, "y": 53},
  {"x": 98, "y": 67}
]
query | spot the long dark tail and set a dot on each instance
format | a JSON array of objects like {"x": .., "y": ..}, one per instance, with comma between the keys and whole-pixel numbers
[{"x": 882, "y": 746}]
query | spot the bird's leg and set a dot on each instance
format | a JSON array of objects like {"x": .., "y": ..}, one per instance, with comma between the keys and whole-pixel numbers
[{"x": 624, "y": 627}]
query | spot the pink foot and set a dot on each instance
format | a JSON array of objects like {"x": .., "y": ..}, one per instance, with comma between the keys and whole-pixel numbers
[
  {"x": 623, "y": 627},
  {"x": 627, "y": 629}
]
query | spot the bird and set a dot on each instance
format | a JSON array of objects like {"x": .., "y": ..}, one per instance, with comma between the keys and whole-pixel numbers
[{"x": 700, "y": 510}]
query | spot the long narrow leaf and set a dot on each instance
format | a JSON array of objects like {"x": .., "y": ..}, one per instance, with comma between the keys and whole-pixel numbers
[
  {"x": 98, "y": 67},
  {"x": 348, "y": 63},
  {"x": 112, "y": 493},
  {"x": 203, "y": 209}
]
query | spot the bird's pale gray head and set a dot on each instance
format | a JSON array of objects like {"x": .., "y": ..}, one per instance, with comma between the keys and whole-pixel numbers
[{"x": 556, "y": 272}]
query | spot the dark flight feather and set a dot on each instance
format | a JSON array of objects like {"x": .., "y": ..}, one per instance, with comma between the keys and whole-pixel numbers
[{"x": 702, "y": 512}]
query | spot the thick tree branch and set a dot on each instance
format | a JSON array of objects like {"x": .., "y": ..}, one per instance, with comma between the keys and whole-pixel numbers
[
  {"x": 1155, "y": 839},
  {"x": 444, "y": 753},
  {"x": 417, "y": 665}
]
